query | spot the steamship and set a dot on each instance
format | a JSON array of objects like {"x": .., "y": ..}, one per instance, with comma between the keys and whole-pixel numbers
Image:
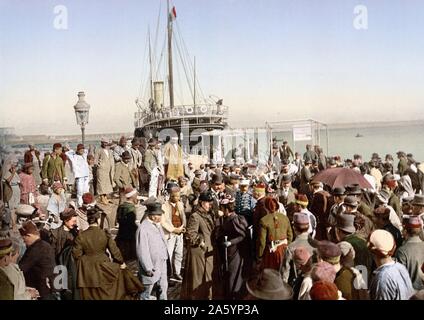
[{"x": 157, "y": 108}]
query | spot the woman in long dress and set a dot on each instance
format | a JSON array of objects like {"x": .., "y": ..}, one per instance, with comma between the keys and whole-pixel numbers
[
  {"x": 234, "y": 248},
  {"x": 99, "y": 278}
]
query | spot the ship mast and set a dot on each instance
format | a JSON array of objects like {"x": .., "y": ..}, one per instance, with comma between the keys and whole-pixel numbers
[
  {"x": 151, "y": 69},
  {"x": 170, "y": 71},
  {"x": 194, "y": 82}
]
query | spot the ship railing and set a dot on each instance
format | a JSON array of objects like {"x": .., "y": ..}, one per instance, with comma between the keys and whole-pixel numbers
[{"x": 180, "y": 112}]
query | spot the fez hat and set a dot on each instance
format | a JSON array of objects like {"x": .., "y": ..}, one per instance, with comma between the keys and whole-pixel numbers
[
  {"x": 129, "y": 192},
  {"x": 269, "y": 285},
  {"x": 88, "y": 198},
  {"x": 57, "y": 146},
  {"x": 414, "y": 222},
  {"x": 80, "y": 146},
  {"x": 302, "y": 199},
  {"x": 324, "y": 290}
]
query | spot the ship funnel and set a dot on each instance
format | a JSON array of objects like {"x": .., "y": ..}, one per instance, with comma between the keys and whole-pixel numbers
[{"x": 158, "y": 94}]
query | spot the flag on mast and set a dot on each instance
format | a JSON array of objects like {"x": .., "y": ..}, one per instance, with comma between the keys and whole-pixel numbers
[{"x": 173, "y": 13}]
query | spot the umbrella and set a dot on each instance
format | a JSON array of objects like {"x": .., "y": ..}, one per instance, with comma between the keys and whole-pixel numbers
[{"x": 341, "y": 177}]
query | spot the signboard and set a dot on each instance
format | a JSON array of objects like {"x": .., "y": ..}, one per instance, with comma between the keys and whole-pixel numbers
[{"x": 302, "y": 133}]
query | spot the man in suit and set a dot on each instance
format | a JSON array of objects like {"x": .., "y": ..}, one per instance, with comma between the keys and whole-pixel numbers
[
  {"x": 152, "y": 252},
  {"x": 38, "y": 261},
  {"x": 285, "y": 151},
  {"x": 174, "y": 225},
  {"x": 287, "y": 194},
  {"x": 216, "y": 186},
  {"x": 305, "y": 177}
]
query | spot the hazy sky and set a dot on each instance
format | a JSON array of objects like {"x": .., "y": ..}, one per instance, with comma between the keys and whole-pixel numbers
[{"x": 270, "y": 59}]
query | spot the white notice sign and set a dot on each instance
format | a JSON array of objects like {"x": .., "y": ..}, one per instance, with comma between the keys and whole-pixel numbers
[{"x": 302, "y": 133}]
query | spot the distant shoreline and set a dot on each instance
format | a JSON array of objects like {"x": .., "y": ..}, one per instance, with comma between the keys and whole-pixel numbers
[{"x": 41, "y": 139}]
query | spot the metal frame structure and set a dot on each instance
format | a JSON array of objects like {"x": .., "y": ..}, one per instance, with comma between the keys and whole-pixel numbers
[{"x": 289, "y": 125}]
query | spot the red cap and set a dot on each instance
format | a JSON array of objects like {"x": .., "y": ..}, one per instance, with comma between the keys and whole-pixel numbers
[
  {"x": 324, "y": 290},
  {"x": 87, "y": 198}
]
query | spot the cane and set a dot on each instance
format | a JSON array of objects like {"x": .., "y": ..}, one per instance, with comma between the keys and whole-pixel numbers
[{"x": 226, "y": 253}]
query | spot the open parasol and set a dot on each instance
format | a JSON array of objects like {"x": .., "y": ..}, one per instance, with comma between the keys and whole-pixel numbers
[{"x": 341, "y": 177}]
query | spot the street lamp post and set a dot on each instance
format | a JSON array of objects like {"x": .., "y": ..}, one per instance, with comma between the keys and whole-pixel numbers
[{"x": 82, "y": 109}]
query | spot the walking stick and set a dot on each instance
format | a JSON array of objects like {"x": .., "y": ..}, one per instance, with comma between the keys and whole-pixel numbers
[{"x": 226, "y": 254}]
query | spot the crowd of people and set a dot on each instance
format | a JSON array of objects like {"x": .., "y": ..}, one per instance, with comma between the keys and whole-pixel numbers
[{"x": 219, "y": 230}]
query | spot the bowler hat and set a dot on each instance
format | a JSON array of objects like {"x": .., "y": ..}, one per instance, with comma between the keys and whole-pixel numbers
[
  {"x": 153, "y": 206},
  {"x": 353, "y": 189},
  {"x": 206, "y": 196},
  {"x": 217, "y": 179},
  {"x": 269, "y": 285},
  {"x": 339, "y": 191},
  {"x": 418, "y": 200},
  {"x": 350, "y": 201},
  {"x": 346, "y": 222}
]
